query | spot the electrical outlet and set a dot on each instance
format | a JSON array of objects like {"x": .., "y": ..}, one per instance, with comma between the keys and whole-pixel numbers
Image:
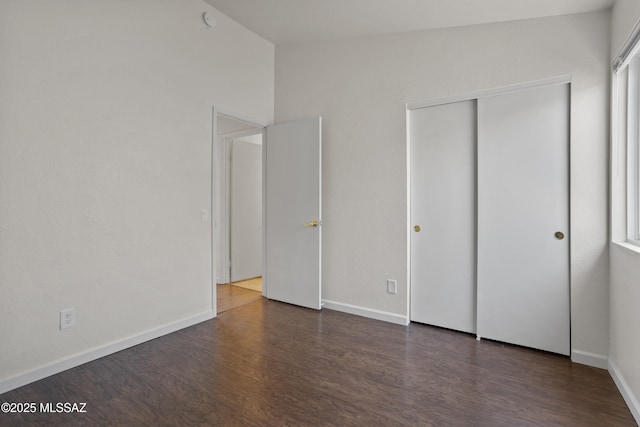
[
  {"x": 392, "y": 286},
  {"x": 204, "y": 215},
  {"x": 67, "y": 318}
]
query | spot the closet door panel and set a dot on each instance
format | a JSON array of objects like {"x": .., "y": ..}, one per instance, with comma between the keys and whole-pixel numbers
[
  {"x": 523, "y": 202},
  {"x": 443, "y": 157}
]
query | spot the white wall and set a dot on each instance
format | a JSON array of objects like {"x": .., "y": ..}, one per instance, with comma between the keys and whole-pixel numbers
[
  {"x": 624, "y": 350},
  {"x": 105, "y": 166},
  {"x": 360, "y": 87}
]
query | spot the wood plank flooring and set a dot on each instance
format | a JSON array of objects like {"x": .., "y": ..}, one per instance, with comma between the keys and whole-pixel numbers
[
  {"x": 272, "y": 364},
  {"x": 231, "y": 296},
  {"x": 254, "y": 284}
]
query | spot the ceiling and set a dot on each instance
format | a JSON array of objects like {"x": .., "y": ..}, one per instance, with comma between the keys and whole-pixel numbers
[{"x": 297, "y": 21}]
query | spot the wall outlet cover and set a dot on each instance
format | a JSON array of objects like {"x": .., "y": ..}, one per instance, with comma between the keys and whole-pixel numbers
[
  {"x": 392, "y": 286},
  {"x": 67, "y": 318}
]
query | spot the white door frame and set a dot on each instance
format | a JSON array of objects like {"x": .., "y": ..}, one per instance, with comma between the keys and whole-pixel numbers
[
  {"x": 216, "y": 141},
  {"x": 464, "y": 97}
]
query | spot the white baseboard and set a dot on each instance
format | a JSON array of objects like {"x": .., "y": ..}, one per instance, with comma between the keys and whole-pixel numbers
[
  {"x": 366, "y": 312},
  {"x": 58, "y": 366},
  {"x": 625, "y": 390},
  {"x": 589, "y": 359}
]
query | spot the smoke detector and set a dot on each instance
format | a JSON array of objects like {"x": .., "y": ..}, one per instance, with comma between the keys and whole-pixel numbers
[{"x": 209, "y": 20}]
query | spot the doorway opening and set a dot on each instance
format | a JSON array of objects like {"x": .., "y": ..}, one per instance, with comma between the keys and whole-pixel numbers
[
  {"x": 291, "y": 208},
  {"x": 237, "y": 211}
]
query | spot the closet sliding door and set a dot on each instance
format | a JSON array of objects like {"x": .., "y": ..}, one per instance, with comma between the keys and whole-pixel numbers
[
  {"x": 490, "y": 217},
  {"x": 523, "y": 218},
  {"x": 443, "y": 159}
]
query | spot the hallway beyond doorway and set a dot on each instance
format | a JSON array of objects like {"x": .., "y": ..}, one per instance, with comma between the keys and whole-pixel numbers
[
  {"x": 254, "y": 284},
  {"x": 232, "y": 295}
]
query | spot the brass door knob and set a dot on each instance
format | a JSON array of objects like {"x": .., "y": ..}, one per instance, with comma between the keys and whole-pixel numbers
[
  {"x": 559, "y": 235},
  {"x": 416, "y": 228},
  {"x": 313, "y": 223}
]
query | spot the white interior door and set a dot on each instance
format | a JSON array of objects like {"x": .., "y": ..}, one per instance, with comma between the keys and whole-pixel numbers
[
  {"x": 246, "y": 208},
  {"x": 523, "y": 196},
  {"x": 293, "y": 212},
  {"x": 443, "y": 176}
]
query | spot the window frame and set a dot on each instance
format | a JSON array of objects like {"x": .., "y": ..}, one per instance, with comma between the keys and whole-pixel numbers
[{"x": 633, "y": 152}]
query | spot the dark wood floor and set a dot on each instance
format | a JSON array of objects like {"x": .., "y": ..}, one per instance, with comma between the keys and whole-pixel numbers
[{"x": 272, "y": 364}]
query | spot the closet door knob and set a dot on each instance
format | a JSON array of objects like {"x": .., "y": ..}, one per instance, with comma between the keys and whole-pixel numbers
[
  {"x": 416, "y": 228},
  {"x": 559, "y": 235}
]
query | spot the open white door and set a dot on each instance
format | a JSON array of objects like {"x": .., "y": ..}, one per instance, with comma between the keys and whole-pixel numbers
[{"x": 293, "y": 212}]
